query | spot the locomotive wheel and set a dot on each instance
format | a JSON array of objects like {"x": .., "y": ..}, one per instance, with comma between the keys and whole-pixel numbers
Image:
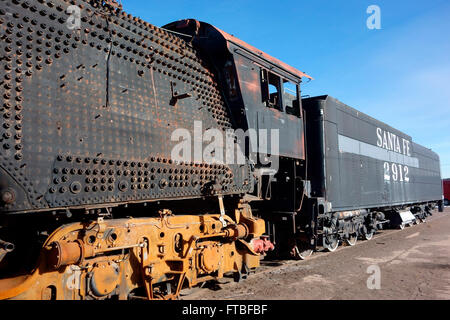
[
  {"x": 368, "y": 236},
  {"x": 330, "y": 243},
  {"x": 303, "y": 251},
  {"x": 305, "y": 254},
  {"x": 351, "y": 241}
]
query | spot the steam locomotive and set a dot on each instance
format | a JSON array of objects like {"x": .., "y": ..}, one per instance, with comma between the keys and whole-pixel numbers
[{"x": 137, "y": 161}]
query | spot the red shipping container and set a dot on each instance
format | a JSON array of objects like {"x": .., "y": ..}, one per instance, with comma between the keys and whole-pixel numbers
[{"x": 446, "y": 184}]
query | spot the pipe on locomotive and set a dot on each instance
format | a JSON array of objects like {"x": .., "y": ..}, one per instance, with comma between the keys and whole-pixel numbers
[
  {"x": 7, "y": 246},
  {"x": 63, "y": 253},
  {"x": 350, "y": 214}
]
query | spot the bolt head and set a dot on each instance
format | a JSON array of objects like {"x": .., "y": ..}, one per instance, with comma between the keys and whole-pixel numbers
[{"x": 8, "y": 196}]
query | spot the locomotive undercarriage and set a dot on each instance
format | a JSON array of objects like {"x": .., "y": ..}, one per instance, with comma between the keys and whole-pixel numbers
[
  {"x": 134, "y": 258},
  {"x": 156, "y": 257},
  {"x": 347, "y": 227},
  {"x": 298, "y": 235}
]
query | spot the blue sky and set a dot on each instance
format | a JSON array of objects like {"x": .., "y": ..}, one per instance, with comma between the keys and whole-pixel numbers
[{"x": 399, "y": 74}]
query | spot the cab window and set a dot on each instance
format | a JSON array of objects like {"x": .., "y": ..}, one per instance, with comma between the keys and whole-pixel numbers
[
  {"x": 291, "y": 98},
  {"x": 271, "y": 89}
]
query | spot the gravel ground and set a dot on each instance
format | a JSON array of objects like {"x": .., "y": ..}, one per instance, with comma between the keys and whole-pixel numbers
[{"x": 413, "y": 264}]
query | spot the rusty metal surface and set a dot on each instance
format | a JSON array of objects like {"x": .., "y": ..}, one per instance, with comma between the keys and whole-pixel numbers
[
  {"x": 87, "y": 114},
  {"x": 114, "y": 257},
  {"x": 249, "y": 48},
  {"x": 264, "y": 55},
  {"x": 240, "y": 69}
]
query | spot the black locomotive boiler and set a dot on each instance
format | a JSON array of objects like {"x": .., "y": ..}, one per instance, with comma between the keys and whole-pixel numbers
[{"x": 95, "y": 203}]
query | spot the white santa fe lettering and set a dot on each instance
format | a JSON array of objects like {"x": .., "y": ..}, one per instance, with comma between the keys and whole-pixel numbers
[{"x": 390, "y": 141}]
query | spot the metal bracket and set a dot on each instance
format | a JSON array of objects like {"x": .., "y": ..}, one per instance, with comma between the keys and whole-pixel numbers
[
  {"x": 101, "y": 227},
  {"x": 222, "y": 212},
  {"x": 176, "y": 95}
]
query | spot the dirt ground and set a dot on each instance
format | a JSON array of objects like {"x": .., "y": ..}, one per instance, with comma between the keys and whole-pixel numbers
[{"x": 412, "y": 264}]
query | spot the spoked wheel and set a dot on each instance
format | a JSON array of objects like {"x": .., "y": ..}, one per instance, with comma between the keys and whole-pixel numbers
[
  {"x": 330, "y": 243},
  {"x": 351, "y": 241},
  {"x": 368, "y": 236},
  {"x": 301, "y": 251},
  {"x": 365, "y": 234}
]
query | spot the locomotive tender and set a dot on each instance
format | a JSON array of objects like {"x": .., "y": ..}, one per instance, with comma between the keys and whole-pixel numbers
[{"x": 94, "y": 203}]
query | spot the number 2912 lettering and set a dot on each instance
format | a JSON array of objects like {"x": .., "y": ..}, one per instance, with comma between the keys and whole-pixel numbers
[{"x": 396, "y": 172}]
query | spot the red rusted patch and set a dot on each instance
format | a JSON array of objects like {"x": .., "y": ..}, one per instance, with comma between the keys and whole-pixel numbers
[{"x": 263, "y": 55}]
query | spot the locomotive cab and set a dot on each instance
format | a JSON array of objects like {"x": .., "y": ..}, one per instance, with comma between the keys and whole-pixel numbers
[
  {"x": 264, "y": 97},
  {"x": 262, "y": 92}
]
